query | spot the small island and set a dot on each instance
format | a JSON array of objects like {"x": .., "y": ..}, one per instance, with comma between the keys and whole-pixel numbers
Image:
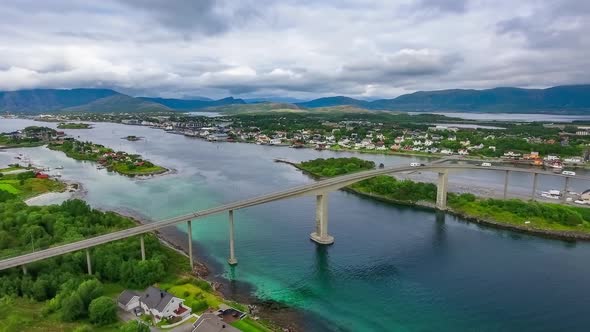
[
  {"x": 29, "y": 137},
  {"x": 115, "y": 161},
  {"x": 335, "y": 166},
  {"x": 133, "y": 138},
  {"x": 73, "y": 125},
  {"x": 539, "y": 218}
]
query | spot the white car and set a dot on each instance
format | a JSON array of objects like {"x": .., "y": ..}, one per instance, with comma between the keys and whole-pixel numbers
[
  {"x": 486, "y": 164},
  {"x": 415, "y": 164}
]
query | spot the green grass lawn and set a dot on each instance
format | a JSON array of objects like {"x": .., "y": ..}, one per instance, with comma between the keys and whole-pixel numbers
[
  {"x": 34, "y": 187},
  {"x": 138, "y": 170},
  {"x": 249, "y": 325},
  {"x": 196, "y": 294},
  {"x": 12, "y": 168},
  {"x": 30, "y": 187},
  {"x": 6, "y": 186}
]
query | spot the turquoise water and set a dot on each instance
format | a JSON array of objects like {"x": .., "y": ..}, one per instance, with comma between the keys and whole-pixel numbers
[{"x": 391, "y": 268}]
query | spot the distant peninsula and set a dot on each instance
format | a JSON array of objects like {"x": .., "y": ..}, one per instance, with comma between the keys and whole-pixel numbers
[{"x": 73, "y": 125}]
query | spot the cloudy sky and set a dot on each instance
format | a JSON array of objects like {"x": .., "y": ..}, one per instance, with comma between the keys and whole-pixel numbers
[{"x": 293, "y": 48}]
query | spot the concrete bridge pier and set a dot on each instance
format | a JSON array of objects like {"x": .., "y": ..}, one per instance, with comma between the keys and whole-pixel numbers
[
  {"x": 320, "y": 235},
  {"x": 232, "y": 254},
  {"x": 88, "y": 261},
  {"x": 142, "y": 248},
  {"x": 534, "y": 186},
  {"x": 441, "y": 190},
  {"x": 24, "y": 269},
  {"x": 565, "y": 185},
  {"x": 190, "y": 242},
  {"x": 506, "y": 176}
]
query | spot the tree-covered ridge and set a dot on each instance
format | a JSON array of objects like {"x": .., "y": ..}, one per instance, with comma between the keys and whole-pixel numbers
[
  {"x": 336, "y": 166},
  {"x": 531, "y": 214},
  {"x": 73, "y": 125},
  {"x": 63, "y": 280},
  {"x": 119, "y": 161},
  {"x": 391, "y": 188},
  {"x": 24, "y": 228}
]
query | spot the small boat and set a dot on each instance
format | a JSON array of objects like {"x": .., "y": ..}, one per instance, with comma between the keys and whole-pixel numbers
[
  {"x": 57, "y": 175},
  {"x": 568, "y": 173},
  {"x": 59, "y": 167},
  {"x": 100, "y": 167},
  {"x": 549, "y": 195}
]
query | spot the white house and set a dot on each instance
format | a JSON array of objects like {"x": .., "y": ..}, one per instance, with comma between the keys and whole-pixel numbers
[
  {"x": 446, "y": 151},
  {"x": 465, "y": 143},
  {"x": 275, "y": 141},
  {"x": 155, "y": 302},
  {"x": 463, "y": 152}
]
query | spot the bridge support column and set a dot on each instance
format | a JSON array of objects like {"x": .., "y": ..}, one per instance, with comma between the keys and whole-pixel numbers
[
  {"x": 142, "y": 248},
  {"x": 506, "y": 184},
  {"x": 320, "y": 235},
  {"x": 24, "y": 269},
  {"x": 441, "y": 190},
  {"x": 232, "y": 254},
  {"x": 88, "y": 261},
  {"x": 565, "y": 185},
  {"x": 190, "y": 242},
  {"x": 534, "y": 186}
]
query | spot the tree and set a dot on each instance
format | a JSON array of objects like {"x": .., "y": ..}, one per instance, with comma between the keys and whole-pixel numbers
[
  {"x": 72, "y": 307},
  {"x": 102, "y": 311},
  {"x": 90, "y": 290}
]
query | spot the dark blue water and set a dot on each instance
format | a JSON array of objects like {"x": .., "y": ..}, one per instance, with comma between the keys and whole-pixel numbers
[{"x": 390, "y": 269}]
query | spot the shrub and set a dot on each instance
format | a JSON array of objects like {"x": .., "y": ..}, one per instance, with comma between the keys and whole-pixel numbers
[{"x": 102, "y": 311}]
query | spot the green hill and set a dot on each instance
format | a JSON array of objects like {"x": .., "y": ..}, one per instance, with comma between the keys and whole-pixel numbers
[
  {"x": 193, "y": 104},
  {"x": 45, "y": 100},
  {"x": 118, "y": 104},
  {"x": 255, "y": 108}
]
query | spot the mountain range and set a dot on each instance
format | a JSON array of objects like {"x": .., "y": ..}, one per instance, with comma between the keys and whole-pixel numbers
[{"x": 571, "y": 99}]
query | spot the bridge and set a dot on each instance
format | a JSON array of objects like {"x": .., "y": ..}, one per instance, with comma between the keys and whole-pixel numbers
[{"x": 320, "y": 189}]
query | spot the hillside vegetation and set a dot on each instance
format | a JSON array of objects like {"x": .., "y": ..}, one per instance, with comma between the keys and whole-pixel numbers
[{"x": 336, "y": 166}]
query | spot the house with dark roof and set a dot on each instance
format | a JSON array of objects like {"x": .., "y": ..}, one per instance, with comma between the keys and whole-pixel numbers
[
  {"x": 155, "y": 302},
  {"x": 128, "y": 300}
]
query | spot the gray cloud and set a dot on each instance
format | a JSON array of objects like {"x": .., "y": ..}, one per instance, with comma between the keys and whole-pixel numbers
[
  {"x": 202, "y": 15},
  {"x": 295, "y": 48},
  {"x": 453, "y": 6},
  {"x": 559, "y": 24}
]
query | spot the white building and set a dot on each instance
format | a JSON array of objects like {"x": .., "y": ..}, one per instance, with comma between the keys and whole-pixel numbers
[{"x": 154, "y": 302}]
